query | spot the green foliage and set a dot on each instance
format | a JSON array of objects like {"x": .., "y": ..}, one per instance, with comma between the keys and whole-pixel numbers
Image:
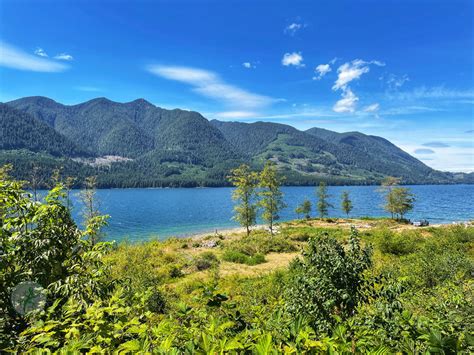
[
  {"x": 398, "y": 200},
  {"x": 271, "y": 197},
  {"x": 327, "y": 283},
  {"x": 346, "y": 203},
  {"x": 323, "y": 204},
  {"x": 206, "y": 261},
  {"x": 235, "y": 256},
  {"x": 245, "y": 182},
  {"x": 398, "y": 243},
  {"x": 41, "y": 243},
  {"x": 416, "y": 297},
  {"x": 304, "y": 209}
]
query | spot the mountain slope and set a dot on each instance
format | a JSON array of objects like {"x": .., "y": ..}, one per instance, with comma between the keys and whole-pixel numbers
[
  {"x": 137, "y": 144},
  {"x": 20, "y": 130},
  {"x": 322, "y": 152}
]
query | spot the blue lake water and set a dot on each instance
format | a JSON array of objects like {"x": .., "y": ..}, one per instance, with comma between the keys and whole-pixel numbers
[{"x": 140, "y": 214}]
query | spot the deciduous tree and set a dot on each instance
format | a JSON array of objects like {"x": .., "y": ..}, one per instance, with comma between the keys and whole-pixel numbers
[
  {"x": 245, "y": 182},
  {"x": 271, "y": 197}
]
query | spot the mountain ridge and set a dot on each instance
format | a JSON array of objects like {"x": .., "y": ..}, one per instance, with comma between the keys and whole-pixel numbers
[{"x": 176, "y": 147}]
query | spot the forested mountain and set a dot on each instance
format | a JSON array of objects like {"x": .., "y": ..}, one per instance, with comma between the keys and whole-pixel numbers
[
  {"x": 137, "y": 144},
  {"x": 19, "y": 130}
]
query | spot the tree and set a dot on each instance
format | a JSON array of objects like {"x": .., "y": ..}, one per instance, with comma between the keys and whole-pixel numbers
[
  {"x": 386, "y": 187},
  {"x": 40, "y": 242},
  {"x": 304, "y": 209},
  {"x": 323, "y": 204},
  {"x": 271, "y": 197},
  {"x": 346, "y": 203},
  {"x": 399, "y": 201},
  {"x": 245, "y": 182},
  {"x": 329, "y": 280},
  {"x": 91, "y": 209}
]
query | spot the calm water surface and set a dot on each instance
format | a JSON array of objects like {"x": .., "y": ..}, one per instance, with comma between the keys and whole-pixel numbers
[{"x": 140, "y": 214}]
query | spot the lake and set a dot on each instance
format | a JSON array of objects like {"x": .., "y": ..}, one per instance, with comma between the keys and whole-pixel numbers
[{"x": 140, "y": 214}]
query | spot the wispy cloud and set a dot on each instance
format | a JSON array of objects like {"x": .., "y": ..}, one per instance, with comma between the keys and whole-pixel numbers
[
  {"x": 372, "y": 108},
  {"x": 395, "y": 82},
  {"x": 64, "y": 56},
  {"x": 88, "y": 88},
  {"x": 436, "y": 92},
  {"x": 321, "y": 70},
  {"x": 40, "y": 52},
  {"x": 436, "y": 145},
  {"x": 12, "y": 57},
  {"x": 424, "y": 151},
  {"x": 294, "y": 59},
  {"x": 234, "y": 114},
  {"x": 210, "y": 84},
  {"x": 292, "y": 28}
]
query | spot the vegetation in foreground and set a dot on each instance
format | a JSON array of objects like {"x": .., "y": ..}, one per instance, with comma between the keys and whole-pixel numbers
[{"x": 315, "y": 286}]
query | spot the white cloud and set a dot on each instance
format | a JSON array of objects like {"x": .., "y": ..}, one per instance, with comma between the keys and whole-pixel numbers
[
  {"x": 321, "y": 70},
  {"x": 294, "y": 58},
  {"x": 15, "y": 58},
  {"x": 64, "y": 56},
  {"x": 350, "y": 71},
  {"x": 209, "y": 84},
  {"x": 347, "y": 103},
  {"x": 372, "y": 108},
  {"x": 347, "y": 73},
  {"x": 250, "y": 65},
  {"x": 235, "y": 114},
  {"x": 40, "y": 52},
  {"x": 292, "y": 28}
]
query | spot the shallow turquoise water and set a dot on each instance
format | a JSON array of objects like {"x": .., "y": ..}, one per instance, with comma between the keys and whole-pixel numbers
[{"x": 140, "y": 214}]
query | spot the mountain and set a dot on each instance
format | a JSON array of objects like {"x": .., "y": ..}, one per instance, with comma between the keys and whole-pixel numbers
[
  {"x": 137, "y": 144},
  {"x": 19, "y": 130}
]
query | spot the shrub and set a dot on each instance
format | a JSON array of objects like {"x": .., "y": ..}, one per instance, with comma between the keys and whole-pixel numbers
[
  {"x": 235, "y": 256},
  {"x": 206, "y": 260},
  {"x": 156, "y": 302},
  {"x": 175, "y": 272},
  {"x": 328, "y": 280},
  {"x": 398, "y": 243}
]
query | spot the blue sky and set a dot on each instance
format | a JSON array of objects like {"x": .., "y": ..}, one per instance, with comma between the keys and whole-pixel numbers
[{"x": 399, "y": 69}]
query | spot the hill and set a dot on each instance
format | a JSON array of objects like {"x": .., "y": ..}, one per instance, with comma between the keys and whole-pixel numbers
[{"x": 137, "y": 144}]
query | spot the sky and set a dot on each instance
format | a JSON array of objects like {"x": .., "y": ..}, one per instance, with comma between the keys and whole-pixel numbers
[{"x": 400, "y": 69}]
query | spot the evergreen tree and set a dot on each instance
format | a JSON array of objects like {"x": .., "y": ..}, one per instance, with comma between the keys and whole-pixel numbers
[
  {"x": 323, "y": 204},
  {"x": 245, "y": 182},
  {"x": 304, "y": 209},
  {"x": 271, "y": 197},
  {"x": 346, "y": 203}
]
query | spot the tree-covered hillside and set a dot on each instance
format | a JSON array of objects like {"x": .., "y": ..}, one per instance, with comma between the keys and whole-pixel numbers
[
  {"x": 19, "y": 130},
  {"x": 137, "y": 144}
]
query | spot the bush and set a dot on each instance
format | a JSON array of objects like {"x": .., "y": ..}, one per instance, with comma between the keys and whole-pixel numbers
[
  {"x": 262, "y": 244},
  {"x": 156, "y": 302},
  {"x": 399, "y": 243},
  {"x": 175, "y": 272},
  {"x": 235, "y": 256},
  {"x": 206, "y": 260},
  {"x": 328, "y": 281}
]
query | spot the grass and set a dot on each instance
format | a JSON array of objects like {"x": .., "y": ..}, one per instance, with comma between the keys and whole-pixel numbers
[{"x": 188, "y": 262}]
